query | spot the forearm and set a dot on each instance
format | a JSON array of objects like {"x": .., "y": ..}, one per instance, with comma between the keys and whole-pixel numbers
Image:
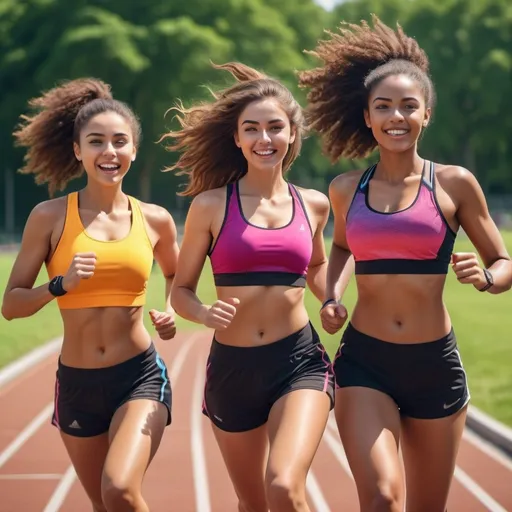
[
  {"x": 339, "y": 272},
  {"x": 168, "y": 289},
  {"x": 316, "y": 280},
  {"x": 187, "y": 304},
  {"x": 501, "y": 271},
  {"x": 24, "y": 302}
]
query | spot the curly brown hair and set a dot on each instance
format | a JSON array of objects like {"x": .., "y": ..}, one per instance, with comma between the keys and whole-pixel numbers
[
  {"x": 208, "y": 153},
  {"x": 355, "y": 60},
  {"x": 61, "y": 114}
]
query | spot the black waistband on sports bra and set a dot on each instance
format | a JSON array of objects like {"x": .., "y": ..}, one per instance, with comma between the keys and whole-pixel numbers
[
  {"x": 401, "y": 266},
  {"x": 260, "y": 279}
]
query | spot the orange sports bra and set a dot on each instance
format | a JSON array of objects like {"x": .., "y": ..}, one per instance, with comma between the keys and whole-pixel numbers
[{"x": 122, "y": 268}]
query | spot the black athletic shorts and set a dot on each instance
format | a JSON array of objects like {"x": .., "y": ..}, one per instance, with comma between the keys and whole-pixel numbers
[
  {"x": 243, "y": 383},
  {"x": 426, "y": 380},
  {"x": 86, "y": 399}
]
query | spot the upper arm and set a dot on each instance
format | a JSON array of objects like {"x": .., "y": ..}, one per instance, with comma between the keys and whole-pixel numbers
[
  {"x": 474, "y": 217},
  {"x": 166, "y": 249},
  {"x": 35, "y": 246},
  {"x": 318, "y": 206},
  {"x": 196, "y": 240},
  {"x": 341, "y": 192}
]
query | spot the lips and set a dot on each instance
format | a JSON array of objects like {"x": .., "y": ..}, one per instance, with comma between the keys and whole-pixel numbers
[
  {"x": 109, "y": 168},
  {"x": 395, "y": 132},
  {"x": 265, "y": 152}
]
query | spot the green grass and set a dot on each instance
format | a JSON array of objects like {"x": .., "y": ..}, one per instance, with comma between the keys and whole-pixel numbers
[{"x": 482, "y": 322}]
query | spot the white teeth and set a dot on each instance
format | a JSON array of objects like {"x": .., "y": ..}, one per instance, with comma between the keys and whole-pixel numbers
[
  {"x": 264, "y": 153},
  {"x": 396, "y": 132},
  {"x": 109, "y": 166}
]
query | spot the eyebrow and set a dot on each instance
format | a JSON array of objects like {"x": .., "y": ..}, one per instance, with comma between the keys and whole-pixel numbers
[
  {"x": 103, "y": 135},
  {"x": 389, "y": 99},
  {"x": 249, "y": 121}
]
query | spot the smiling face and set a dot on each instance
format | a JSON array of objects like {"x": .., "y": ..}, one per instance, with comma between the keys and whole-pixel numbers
[
  {"x": 106, "y": 148},
  {"x": 264, "y": 134},
  {"x": 397, "y": 113}
]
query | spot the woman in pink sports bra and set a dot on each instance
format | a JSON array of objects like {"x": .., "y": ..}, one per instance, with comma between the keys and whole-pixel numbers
[
  {"x": 269, "y": 383},
  {"x": 398, "y": 372}
]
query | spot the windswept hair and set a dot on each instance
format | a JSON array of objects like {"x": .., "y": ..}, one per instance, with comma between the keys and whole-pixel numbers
[
  {"x": 61, "y": 113},
  {"x": 355, "y": 60},
  {"x": 208, "y": 153}
]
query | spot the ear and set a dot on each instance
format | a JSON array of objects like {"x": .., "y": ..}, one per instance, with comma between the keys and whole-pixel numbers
[
  {"x": 134, "y": 155},
  {"x": 428, "y": 114},
  {"x": 76, "y": 149},
  {"x": 367, "y": 118},
  {"x": 293, "y": 134},
  {"x": 237, "y": 139}
]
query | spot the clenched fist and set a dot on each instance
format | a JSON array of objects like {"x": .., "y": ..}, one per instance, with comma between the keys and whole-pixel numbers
[
  {"x": 333, "y": 316},
  {"x": 82, "y": 267},
  {"x": 220, "y": 314},
  {"x": 163, "y": 323}
]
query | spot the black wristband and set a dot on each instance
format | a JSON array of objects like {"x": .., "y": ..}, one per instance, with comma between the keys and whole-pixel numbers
[
  {"x": 489, "y": 279},
  {"x": 55, "y": 287},
  {"x": 328, "y": 301}
]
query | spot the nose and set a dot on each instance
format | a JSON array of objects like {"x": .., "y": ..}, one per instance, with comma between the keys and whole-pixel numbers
[
  {"x": 265, "y": 136},
  {"x": 109, "y": 149},
  {"x": 397, "y": 116}
]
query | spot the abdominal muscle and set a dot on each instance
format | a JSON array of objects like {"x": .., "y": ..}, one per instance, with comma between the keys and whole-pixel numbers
[
  {"x": 265, "y": 314},
  {"x": 401, "y": 308},
  {"x": 101, "y": 337}
]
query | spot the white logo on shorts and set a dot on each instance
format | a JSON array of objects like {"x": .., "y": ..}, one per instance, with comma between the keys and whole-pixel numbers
[
  {"x": 217, "y": 418},
  {"x": 448, "y": 406},
  {"x": 75, "y": 425}
]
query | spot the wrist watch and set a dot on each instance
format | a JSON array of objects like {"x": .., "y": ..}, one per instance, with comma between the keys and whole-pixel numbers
[{"x": 489, "y": 279}]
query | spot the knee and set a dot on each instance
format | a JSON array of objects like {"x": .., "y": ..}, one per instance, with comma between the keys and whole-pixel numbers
[
  {"x": 286, "y": 493},
  {"x": 386, "y": 497},
  {"x": 118, "y": 495}
]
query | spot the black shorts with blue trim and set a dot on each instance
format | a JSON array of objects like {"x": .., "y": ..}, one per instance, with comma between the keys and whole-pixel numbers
[{"x": 87, "y": 399}]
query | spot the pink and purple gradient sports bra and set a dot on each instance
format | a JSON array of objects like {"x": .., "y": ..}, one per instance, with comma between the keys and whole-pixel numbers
[
  {"x": 415, "y": 240},
  {"x": 248, "y": 255}
]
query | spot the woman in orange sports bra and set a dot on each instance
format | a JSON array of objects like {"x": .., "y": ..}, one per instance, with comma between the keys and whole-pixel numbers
[{"x": 98, "y": 245}]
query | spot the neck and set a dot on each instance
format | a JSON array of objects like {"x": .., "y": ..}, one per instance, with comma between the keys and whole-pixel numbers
[
  {"x": 265, "y": 183},
  {"x": 395, "y": 167},
  {"x": 103, "y": 199}
]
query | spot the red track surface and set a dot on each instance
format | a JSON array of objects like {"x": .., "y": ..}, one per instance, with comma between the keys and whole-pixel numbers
[{"x": 187, "y": 473}]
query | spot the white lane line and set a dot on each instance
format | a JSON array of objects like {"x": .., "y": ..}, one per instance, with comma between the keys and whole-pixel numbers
[
  {"x": 62, "y": 490},
  {"x": 179, "y": 358},
  {"x": 26, "y": 434},
  {"x": 315, "y": 493},
  {"x": 202, "y": 493},
  {"x": 487, "y": 448},
  {"x": 484, "y": 498}
]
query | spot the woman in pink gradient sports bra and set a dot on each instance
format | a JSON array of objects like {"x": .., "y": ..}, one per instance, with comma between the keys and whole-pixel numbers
[
  {"x": 398, "y": 371},
  {"x": 269, "y": 383}
]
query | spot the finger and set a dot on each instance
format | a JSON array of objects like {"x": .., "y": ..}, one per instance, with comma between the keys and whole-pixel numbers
[
  {"x": 84, "y": 275},
  {"x": 469, "y": 279},
  {"x": 220, "y": 322},
  {"x": 224, "y": 313},
  {"x": 462, "y": 265},
  {"x": 470, "y": 272},
  {"x": 461, "y": 256},
  {"x": 85, "y": 268},
  {"x": 341, "y": 311},
  {"x": 224, "y": 306},
  {"x": 233, "y": 301}
]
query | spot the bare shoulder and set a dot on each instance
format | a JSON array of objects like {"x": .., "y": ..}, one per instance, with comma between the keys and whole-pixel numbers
[
  {"x": 155, "y": 214},
  {"x": 344, "y": 185},
  {"x": 49, "y": 212},
  {"x": 456, "y": 180},
  {"x": 209, "y": 201},
  {"x": 315, "y": 199}
]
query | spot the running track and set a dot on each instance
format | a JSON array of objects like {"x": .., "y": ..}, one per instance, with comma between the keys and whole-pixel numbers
[{"x": 187, "y": 473}]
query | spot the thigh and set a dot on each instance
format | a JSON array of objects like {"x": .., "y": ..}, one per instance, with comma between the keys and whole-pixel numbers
[
  {"x": 430, "y": 450},
  {"x": 88, "y": 456},
  {"x": 245, "y": 456},
  {"x": 369, "y": 425},
  {"x": 296, "y": 424},
  {"x": 134, "y": 435}
]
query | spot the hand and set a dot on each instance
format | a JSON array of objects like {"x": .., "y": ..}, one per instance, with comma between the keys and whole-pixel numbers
[
  {"x": 333, "y": 317},
  {"x": 468, "y": 269},
  {"x": 163, "y": 323},
  {"x": 82, "y": 267},
  {"x": 220, "y": 314}
]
